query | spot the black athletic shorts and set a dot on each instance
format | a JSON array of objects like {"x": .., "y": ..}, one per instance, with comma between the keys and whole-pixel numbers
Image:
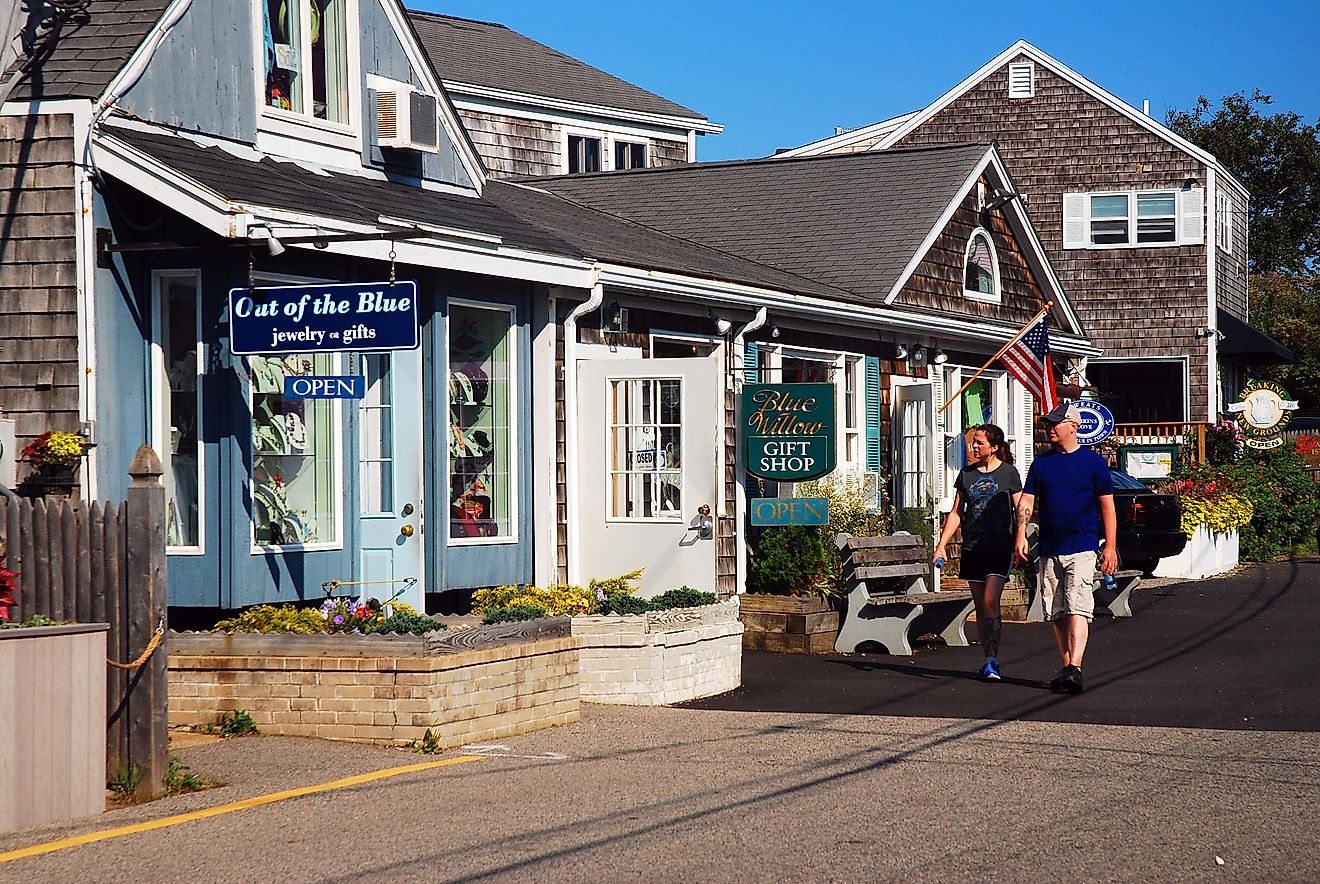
[{"x": 978, "y": 564}]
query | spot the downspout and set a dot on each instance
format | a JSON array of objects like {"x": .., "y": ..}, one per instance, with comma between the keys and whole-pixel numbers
[
  {"x": 571, "y": 502},
  {"x": 740, "y": 473},
  {"x": 1212, "y": 295}
]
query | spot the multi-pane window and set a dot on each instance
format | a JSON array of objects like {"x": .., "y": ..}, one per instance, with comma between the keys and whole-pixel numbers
[
  {"x": 583, "y": 154},
  {"x": 1133, "y": 218},
  {"x": 1224, "y": 221},
  {"x": 376, "y": 436},
  {"x": 645, "y": 448},
  {"x": 295, "y": 496},
  {"x": 629, "y": 155},
  {"x": 1157, "y": 217},
  {"x": 305, "y": 48},
  {"x": 980, "y": 276}
]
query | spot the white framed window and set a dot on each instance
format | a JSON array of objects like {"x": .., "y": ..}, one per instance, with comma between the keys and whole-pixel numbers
[
  {"x": 629, "y": 154},
  {"x": 1224, "y": 222},
  {"x": 483, "y": 428},
  {"x": 177, "y": 372},
  {"x": 1133, "y": 218},
  {"x": 988, "y": 399},
  {"x": 645, "y": 449},
  {"x": 306, "y": 50},
  {"x": 584, "y": 154},
  {"x": 1022, "y": 79},
  {"x": 797, "y": 365},
  {"x": 1146, "y": 390},
  {"x": 981, "y": 269}
]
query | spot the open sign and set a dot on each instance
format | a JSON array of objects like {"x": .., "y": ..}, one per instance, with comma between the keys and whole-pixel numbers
[{"x": 314, "y": 386}]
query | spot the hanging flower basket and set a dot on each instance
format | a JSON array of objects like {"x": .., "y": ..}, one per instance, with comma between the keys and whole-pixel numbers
[{"x": 55, "y": 458}]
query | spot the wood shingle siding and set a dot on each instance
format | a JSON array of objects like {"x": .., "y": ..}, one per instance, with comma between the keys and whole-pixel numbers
[
  {"x": 38, "y": 288},
  {"x": 512, "y": 146},
  {"x": 1065, "y": 141},
  {"x": 668, "y": 153},
  {"x": 1231, "y": 266}
]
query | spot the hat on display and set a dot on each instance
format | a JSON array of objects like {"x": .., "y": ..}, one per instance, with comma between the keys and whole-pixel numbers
[{"x": 1064, "y": 411}]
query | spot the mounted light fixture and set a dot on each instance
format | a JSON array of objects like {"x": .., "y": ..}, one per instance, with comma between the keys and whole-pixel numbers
[
  {"x": 774, "y": 331},
  {"x": 919, "y": 357},
  {"x": 722, "y": 325},
  {"x": 273, "y": 245},
  {"x": 616, "y": 320},
  {"x": 941, "y": 357},
  {"x": 999, "y": 199},
  {"x": 900, "y": 351}
]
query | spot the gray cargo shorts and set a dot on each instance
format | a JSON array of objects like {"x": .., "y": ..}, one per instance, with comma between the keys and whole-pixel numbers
[{"x": 1067, "y": 584}]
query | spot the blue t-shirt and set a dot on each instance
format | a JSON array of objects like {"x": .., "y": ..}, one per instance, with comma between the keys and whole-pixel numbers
[{"x": 1067, "y": 488}]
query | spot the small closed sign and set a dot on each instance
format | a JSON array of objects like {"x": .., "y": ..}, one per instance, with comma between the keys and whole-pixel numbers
[{"x": 788, "y": 431}]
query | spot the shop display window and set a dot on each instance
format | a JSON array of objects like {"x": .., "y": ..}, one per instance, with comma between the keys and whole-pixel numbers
[
  {"x": 176, "y": 411},
  {"x": 645, "y": 448},
  {"x": 305, "y": 45},
  {"x": 294, "y": 454},
  {"x": 482, "y": 486}
]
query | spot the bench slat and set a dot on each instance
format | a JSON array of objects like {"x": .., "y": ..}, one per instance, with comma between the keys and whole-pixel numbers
[
  {"x": 876, "y": 572},
  {"x": 885, "y": 542},
  {"x": 921, "y": 598},
  {"x": 888, "y": 556}
]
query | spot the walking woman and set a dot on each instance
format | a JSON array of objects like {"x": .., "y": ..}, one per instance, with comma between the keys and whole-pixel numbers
[{"x": 984, "y": 505}]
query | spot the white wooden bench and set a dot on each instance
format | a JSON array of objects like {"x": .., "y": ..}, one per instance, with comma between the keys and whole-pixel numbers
[{"x": 888, "y": 602}]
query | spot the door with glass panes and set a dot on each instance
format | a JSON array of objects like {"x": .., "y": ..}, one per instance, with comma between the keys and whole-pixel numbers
[
  {"x": 389, "y": 475},
  {"x": 913, "y": 454},
  {"x": 647, "y": 474}
]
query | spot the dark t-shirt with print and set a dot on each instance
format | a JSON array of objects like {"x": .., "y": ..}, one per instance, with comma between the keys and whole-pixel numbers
[{"x": 988, "y": 521}]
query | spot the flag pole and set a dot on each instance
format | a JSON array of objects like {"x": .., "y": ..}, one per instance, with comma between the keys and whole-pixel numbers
[{"x": 1011, "y": 341}]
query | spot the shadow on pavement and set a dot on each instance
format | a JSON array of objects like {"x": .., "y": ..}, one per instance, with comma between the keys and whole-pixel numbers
[{"x": 1234, "y": 653}]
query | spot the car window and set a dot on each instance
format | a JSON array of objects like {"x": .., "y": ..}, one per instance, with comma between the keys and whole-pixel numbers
[{"x": 1126, "y": 482}]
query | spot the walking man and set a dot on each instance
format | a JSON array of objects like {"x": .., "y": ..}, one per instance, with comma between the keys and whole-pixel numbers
[{"x": 1072, "y": 489}]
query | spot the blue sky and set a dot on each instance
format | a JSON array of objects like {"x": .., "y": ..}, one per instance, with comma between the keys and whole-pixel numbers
[{"x": 782, "y": 74}]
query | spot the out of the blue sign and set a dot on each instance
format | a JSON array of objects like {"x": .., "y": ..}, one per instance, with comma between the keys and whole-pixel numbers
[
  {"x": 318, "y": 386},
  {"x": 330, "y": 318},
  {"x": 790, "y": 511}
]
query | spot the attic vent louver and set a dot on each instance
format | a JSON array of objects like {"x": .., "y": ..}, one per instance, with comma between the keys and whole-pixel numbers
[
  {"x": 1022, "y": 79},
  {"x": 406, "y": 119}
]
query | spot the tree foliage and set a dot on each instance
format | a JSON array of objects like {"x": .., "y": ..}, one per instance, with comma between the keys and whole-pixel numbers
[
  {"x": 1277, "y": 158},
  {"x": 1287, "y": 307}
]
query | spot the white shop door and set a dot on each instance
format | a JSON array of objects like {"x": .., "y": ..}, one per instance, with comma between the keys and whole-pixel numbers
[{"x": 648, "y": 447}]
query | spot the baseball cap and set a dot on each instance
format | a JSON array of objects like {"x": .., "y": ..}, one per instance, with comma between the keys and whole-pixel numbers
[{"x": 1064, "y": 411}]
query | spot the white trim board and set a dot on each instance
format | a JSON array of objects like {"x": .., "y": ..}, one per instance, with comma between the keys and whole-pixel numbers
[{"x": 472, "y": 91}]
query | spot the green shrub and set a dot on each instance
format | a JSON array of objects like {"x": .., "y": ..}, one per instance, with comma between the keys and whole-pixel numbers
[
  {"x": 553, "y": 601},
  {"x": 407, "y": 623},
  {"x": 270, "y": 619},
  {"x": 624, "y": 583},
  {"x": 623, "y": 604},
  {"x": 792, "y": 560},
  {"x": 683, "y": 597},
  {"x": 513, "y": 614}
]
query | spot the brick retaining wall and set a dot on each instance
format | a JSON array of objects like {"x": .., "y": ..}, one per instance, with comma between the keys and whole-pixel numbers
[{"x": 462, "y": 698}]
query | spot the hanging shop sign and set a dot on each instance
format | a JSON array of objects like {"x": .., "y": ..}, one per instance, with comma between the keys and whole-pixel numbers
[
  {"x": 1263, "y": 410},
  {"x": 788, "y": 431},
  {"x": 790, "y": 511},
  {"x": 357, "y": 316},
  {"x": 1097, "y": 422},
  {"x": 316, "y": 386}
]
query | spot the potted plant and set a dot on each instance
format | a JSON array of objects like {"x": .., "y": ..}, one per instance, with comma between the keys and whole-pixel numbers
[{"x": 54, "y": 457}]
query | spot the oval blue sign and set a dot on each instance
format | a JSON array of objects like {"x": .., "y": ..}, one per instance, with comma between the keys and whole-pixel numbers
[{"x": 1097, "y": 422}]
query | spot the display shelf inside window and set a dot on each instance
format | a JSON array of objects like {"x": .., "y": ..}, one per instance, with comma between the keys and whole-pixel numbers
[
  {"x": 292, "y": 470},
  {"x": 480, "y": 495}
]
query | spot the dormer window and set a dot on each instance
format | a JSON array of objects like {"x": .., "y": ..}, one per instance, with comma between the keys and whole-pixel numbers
[
  {"x": 583, "y": 154},
  {"x": 981, "y": 276},
  {"x": 305, "y": 46}
]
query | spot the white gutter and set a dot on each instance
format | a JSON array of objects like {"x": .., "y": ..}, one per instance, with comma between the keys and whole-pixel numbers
[
  {"x": 137, "y": 65},
  {"x": 572, "y": 504},
  {"x": 740, "y": 473},
  {"x": 700, "y": 124}
]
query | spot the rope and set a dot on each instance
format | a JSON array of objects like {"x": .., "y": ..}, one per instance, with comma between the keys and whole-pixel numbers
[{"x": 151, "y": 647}]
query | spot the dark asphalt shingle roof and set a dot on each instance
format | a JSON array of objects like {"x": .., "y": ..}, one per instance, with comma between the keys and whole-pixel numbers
[
  {"x": 486, "y": 54},
  {"x": 851, "y": 221},
  {"x": 523, "y": 217},
  {"x": 87, "y": 56}
]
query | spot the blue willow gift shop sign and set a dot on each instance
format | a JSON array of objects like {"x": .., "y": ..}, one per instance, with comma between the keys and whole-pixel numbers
[
  {"x": 788, "y": 431},
  {"x": 357, "y": 316}
]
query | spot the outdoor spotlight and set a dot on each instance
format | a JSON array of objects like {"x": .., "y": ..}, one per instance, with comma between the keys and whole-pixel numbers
[
  {"x": 616, "y": 319},
  {"x": 273, "y": 246},
  {"x": 919, "y": 357},
  {"x": 941, "y": 357},
  {"x": 900, "y": 351},
  {"x": 723, "y": 325},
  {"x": 774, "y": 331}
]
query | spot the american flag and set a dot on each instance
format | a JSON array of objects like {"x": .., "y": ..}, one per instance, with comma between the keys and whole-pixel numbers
[{"x": 1029, "y": 361}]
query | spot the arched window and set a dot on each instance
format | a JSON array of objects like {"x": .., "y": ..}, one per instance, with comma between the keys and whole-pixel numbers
[{"x": 981, "y": 276}]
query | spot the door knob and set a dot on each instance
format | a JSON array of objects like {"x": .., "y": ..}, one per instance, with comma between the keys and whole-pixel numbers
[{"x": 406, "y": 530}]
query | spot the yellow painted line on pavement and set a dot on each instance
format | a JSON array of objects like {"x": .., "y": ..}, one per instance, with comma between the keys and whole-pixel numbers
[{"x": 246, "y": 803}]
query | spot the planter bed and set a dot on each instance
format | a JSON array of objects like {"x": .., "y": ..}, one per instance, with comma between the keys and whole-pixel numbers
[
  {"x": 660, "y": 657},
  {"x": 1206, "y": 555},
  {"x": 464, "y": 686},
  {"x": 786, "y": 623},
  {"x": 52, "y": 724}
]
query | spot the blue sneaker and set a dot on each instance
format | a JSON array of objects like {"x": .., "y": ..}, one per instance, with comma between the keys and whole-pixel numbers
[{"x": 990, "y": 671}]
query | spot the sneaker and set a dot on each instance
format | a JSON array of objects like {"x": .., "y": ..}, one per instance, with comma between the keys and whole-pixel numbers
[
  {"x": 990, "y": 671},
  {"x": 1069, "y": 680}
]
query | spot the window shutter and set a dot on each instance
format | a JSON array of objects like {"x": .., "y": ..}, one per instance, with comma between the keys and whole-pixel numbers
[
  {"x": 1027, "y": 439},
  {"x": 937, "y": 393},
  {"x": 1075, "y": 221},
  {"x": 751, "y": 363},
  {"x": 1191, "y": 216},
  {"x": 873, "y": 459}
]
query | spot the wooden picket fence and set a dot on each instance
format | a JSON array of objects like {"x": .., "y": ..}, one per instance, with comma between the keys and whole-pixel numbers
[{"x": 106, "y": 564}]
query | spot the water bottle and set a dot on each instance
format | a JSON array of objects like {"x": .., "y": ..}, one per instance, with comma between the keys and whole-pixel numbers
[
  {"x": 939, "y": 563},
  {"x": 1108, "y": 581}
]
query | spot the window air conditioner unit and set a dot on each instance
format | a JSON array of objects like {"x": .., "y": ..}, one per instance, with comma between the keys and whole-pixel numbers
[{"x": 407, "y": 119}]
